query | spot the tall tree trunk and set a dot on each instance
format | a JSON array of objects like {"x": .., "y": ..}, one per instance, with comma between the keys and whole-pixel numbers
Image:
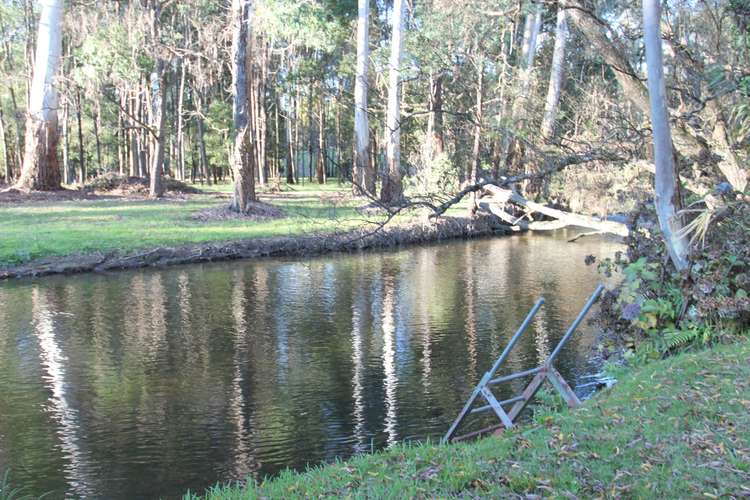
[
  {"x": 435, "y": 142},
  {"x": 337, "y": 107},
  {"x": 474, "y": 166},
  {"x": 16, "y": 116},
  {"x": 556, "y": 75},
  {"x": 528, "y": 52},
  {"x": 97, "y": 127},
  {"x": 276, "y": 141},
  {"x": 667, "y": 183},
  {"x": 181, "y": 122},
  {"x": 68, "y": 166},
  {"x": 244, "y": 178},
  {"x": 17, "y": 138},
  {"x": 200, "y": 132},
  {"x": 133, "y": 136},
  {"x": 122, "y": 137},
  {"x": 158, "y": 116},
  {"x": 28, "y": 14},
  {"x": 374, "y": 153},
  {"x": 7, "y": 157},
  {"x": 392, "y": 189},
  {"x": 144, "y": 137},
  {"x": 310, "y": 133},
  {"x": 363, "y": 178},
  {"x": 513, "y": 150},
  {"x": 296, "y": 147},
  {"x": 321, "y": 167},
  {"x": 260, "y": 136},
  {"x": 81, "y": 153},
  {"x": 289, "y": 156},
  {"x": 157, "y": 81},
  {"x": 41, "y": 167}
]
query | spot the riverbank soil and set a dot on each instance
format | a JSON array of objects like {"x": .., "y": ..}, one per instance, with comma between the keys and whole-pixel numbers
[
  {"x": 677, "y": 428},
  {"x": 113, "y": 225}
]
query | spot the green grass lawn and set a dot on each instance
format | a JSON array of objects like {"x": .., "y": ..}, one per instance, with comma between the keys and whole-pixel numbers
[
  {"x": 34, "y": 230},
  {"x": 678, "y": 428}
]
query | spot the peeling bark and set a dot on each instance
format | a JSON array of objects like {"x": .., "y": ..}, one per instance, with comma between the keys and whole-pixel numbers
[
  {"x": 41, "y": 167},
  {"x": 242, "y": 155}
]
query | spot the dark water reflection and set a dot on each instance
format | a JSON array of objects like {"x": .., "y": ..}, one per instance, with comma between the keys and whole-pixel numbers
[{"x": 145, "y": 384}]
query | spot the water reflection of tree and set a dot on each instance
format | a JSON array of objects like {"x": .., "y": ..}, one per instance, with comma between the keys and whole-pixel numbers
[
  {"x": 242, "y": 453},
  {"x": 358, "y": 368},
  {"x": 390, "y": 379},
  {"x": 60, "y": 404}
]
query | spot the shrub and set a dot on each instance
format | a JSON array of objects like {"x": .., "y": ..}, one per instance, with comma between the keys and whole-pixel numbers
[{"x": 656, "y": 311}]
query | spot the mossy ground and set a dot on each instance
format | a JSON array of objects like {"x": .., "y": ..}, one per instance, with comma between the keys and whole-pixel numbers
[{"x": 678, "y": 428}]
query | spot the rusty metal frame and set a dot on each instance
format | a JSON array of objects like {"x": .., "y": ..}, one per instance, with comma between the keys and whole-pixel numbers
[{"x": 546, "y": 371}]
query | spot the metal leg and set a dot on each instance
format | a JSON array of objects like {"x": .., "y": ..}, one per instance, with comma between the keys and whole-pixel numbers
[
  {"x": 544, "y": 372},
  {"x": 496, "y": 407},
  {"x": 559, "y": 383}
]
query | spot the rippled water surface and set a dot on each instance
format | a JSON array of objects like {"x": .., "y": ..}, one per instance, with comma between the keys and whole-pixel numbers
[{"x": 144, "y": 384}]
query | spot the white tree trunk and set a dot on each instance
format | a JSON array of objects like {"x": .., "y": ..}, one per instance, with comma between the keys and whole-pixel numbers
[
  {"x": 556, "y": 75},
  {"x": 667, "y": 194},
  {"x": 244, "y": 175},
  {"x": 41, "y": 168},
  {"x": 363, "y": 178},
  {"x": 392, "y": 190},
  {"x": 158, "y": 112},
  {"x": 528, "y": 51},
  {"x": 513, "y": 150}
]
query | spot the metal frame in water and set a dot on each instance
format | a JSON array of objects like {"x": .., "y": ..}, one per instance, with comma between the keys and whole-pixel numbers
[{"x": 546, "y": 371}]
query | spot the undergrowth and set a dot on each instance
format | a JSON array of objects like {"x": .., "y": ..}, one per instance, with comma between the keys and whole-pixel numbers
[{"x": 656, "y": 311}]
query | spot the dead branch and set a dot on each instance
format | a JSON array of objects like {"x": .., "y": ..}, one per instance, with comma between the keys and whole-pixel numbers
[{"x": 562, "y": 218}]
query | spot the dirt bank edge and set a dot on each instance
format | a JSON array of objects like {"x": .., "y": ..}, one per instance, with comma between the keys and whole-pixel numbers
[{"x": 307, "y": 244}]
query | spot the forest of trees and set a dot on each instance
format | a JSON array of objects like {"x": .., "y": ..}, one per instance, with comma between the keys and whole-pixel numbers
[{"x": 402, "y": 96}]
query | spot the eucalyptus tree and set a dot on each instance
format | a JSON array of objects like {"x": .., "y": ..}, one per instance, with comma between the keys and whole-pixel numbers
[
  {"x": 557, "y": 71},
  {"x": 392, "y": 190},
  {"x": 157, "y": 117},
  {"x": 694, "y": 143},
  {"x": 667, "y": 186},
  {"x": 41, "y": 166},
  {"x": 363, "y": 175}
]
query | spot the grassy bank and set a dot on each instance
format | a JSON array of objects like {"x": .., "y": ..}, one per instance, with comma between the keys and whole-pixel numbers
[
  {"x": 35, "y": 230},
  {"x": 676, "y": 428}
]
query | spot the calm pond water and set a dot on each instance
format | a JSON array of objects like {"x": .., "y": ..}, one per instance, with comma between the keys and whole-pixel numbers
[{"x": 144, "y": 384}]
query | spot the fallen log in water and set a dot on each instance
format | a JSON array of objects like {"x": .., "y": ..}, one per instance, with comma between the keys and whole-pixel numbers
[{"x": 501, "y": 197}]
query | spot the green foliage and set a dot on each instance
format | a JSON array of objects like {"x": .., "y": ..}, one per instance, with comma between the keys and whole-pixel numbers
[
  {"x": 322, "y": 25},
  {"x": 439, "y": 175},
  {"x": 107, "y": 54},
  {"x": 218, "y": 117},
  {"x": 657, "y": 312}
]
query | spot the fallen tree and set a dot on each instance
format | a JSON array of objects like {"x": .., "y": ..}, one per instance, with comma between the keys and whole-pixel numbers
[
  {"x": 500, "y": 198},
  {"x": 501, "y": 194}
]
